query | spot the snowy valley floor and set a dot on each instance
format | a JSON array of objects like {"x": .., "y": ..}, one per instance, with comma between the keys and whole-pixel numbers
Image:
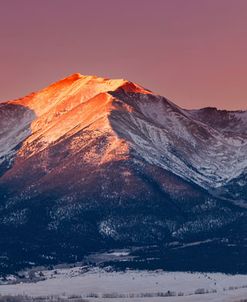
[{"x": 101, "y": 285}]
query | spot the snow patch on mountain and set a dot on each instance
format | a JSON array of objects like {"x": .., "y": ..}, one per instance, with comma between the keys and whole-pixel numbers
[
  {"x": 170, "y": 137},
  {"x": 15, "y": 124}
]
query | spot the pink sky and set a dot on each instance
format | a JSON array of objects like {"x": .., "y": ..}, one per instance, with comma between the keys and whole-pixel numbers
[{"x": 192, "y": 51}]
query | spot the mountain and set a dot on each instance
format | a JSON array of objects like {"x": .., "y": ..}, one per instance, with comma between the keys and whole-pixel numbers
[{"x": 89, "y": 163}]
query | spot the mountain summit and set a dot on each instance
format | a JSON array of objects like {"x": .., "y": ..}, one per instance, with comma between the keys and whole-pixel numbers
[{"x": 90, "y": 163}]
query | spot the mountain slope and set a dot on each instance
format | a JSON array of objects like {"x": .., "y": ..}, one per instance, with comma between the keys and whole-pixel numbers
[{"x": 91, "y": 163}]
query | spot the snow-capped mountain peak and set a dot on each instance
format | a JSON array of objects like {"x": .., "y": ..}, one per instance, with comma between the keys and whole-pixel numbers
[{"x": 207, "y": 146}]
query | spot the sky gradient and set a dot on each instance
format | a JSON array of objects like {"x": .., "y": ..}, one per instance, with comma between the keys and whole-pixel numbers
[{"x": 192, "y": 51}]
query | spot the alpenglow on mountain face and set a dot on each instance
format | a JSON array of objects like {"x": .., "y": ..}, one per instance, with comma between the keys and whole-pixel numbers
[{"x": 90, "y": 164}]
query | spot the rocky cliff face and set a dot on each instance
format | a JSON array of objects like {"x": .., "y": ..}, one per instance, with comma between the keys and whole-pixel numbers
[{"x": 91, "y": 163}]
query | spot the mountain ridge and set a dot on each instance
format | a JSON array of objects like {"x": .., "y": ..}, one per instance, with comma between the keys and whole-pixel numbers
[{"x": 79, "y": 101}]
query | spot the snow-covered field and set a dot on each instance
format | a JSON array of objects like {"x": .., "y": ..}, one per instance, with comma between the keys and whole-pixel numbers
[{"x": 101, "y": 285}]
